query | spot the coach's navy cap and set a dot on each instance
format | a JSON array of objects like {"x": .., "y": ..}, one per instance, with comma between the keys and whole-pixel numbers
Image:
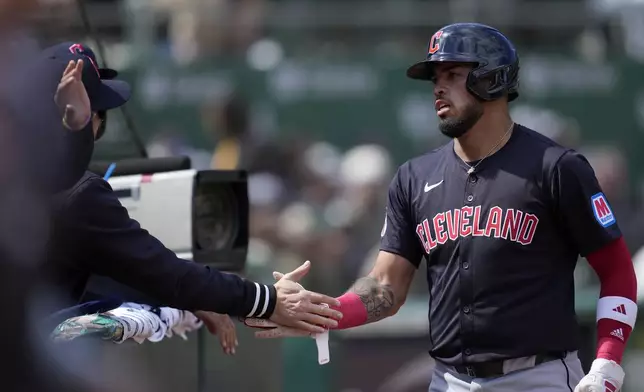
[{"x": 104, "y": 92}]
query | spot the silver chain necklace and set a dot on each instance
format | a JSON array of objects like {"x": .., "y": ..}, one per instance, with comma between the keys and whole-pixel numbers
[{"x": 472, "y": 168}]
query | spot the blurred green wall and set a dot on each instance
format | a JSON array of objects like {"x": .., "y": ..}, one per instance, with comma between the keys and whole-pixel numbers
[{"x": 348, "y": 102}]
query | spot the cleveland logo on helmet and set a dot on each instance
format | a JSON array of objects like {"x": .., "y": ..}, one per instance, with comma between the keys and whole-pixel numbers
[
  {"x": 495, "y": 71},
  {"x": 434, "y": 43}
]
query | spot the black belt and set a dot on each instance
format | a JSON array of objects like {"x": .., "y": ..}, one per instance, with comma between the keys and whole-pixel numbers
[{"x": 495, "y": 368}]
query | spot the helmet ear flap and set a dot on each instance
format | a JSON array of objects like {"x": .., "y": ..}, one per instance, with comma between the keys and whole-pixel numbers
[
  {"x": 483, "y": 85},
  {"x": 513, "y": 90},
  {"x": 490, "y": 85}
]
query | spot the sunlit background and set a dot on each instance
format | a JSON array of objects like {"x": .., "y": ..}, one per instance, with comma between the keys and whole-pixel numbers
[{"x": 311, "y": 98}]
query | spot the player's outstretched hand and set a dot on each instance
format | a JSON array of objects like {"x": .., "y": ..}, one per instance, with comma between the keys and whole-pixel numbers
[
  {"x": 301, "y": 309},
  {"x": 222, "y": 326},
  {"x": 604, "y": 376},
  {"x": 72, "y": 99}
]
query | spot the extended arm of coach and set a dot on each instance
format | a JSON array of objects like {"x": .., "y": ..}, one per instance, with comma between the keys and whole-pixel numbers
[{"x": 104, "y": 240}]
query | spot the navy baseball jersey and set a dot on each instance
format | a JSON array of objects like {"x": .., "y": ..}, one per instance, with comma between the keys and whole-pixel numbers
[{"x": 501, "y": 244}]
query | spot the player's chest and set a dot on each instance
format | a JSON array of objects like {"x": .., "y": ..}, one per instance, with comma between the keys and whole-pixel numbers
[{"x": 497, "y": 205}]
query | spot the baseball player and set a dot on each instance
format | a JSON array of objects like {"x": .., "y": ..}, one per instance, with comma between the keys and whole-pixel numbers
[{"x": 500, "y": 214}]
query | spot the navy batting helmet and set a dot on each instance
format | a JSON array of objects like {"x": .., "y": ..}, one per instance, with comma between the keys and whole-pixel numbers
[{"x": 495, "y": 60}]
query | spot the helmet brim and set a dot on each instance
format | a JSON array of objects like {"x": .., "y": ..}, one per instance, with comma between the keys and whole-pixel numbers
[
  {"x": 424, "y": 70},
  {"x": 420, "y": 71}
]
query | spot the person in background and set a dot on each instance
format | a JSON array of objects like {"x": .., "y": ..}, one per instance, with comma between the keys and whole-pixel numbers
[{"x": 228, "y": 123}]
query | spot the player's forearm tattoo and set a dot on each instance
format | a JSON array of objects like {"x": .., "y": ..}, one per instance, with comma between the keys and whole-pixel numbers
[{"x": 378, "y": 298}]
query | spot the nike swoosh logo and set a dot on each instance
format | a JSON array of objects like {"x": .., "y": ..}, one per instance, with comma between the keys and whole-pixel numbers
[{"x": 430, "y": 187}]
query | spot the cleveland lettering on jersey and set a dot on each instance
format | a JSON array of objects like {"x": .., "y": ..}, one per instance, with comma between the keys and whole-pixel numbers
[{"x": 509, "y": 224}]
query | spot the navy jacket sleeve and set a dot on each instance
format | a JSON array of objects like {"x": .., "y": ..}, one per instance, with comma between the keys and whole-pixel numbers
[{"x": 108, "y": 242}]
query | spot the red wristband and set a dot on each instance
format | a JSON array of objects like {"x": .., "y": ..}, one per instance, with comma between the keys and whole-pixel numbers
[
  {"x": 353, "y": 311},
  {"x": 611, "y": 339}
]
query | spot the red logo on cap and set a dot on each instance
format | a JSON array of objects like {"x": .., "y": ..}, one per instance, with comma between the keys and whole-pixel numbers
[
  {"x": 434, "y": 42},
  {"x": 79, "y": 49}
]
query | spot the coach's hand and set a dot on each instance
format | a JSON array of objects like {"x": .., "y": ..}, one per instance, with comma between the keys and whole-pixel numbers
[
  {"x": 302, "y": 309},
  {"x": 604, "y": 376},
  {"x": 72, "y": 99}
]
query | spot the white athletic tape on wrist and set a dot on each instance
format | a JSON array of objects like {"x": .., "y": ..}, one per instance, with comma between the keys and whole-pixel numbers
[
  {"x": 322, "y": 342},
  {"x": 620, "y": 309}
]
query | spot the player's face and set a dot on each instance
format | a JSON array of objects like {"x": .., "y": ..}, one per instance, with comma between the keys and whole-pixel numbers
[{"x": 456, "y": 108}]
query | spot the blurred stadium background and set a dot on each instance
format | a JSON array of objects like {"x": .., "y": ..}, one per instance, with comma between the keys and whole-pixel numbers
[{"x": 311, "y": 98}]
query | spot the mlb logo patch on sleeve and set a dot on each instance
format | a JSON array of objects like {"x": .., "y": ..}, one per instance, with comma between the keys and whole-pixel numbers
[{"x": 602, "y": 211}]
